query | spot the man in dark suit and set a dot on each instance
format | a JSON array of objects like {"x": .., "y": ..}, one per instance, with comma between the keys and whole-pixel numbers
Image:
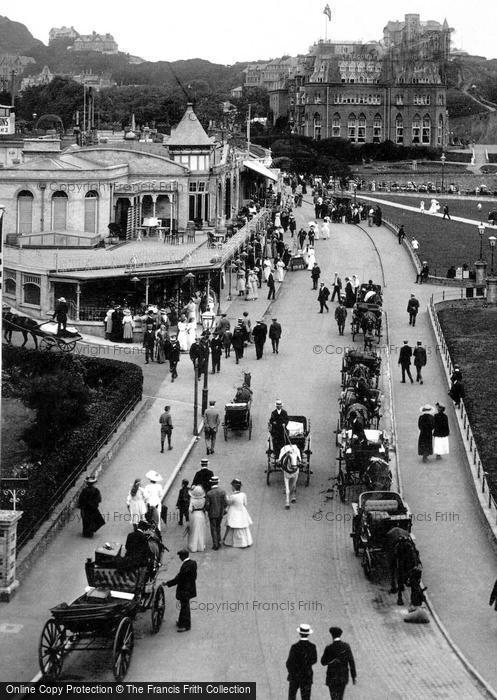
[
  {"x": 173, "y": 355},
  {"x": 338, "y": 658},
  {"x": 419, "y": 354},
  {"x": 275, "y": 334},
  {"x": 149, "y": 343},
  {"x": 405, "y": 355},
  {"x": 185, "y": 589},
  {"x": 412, "y": 309},
  {"x": 259, "y": 335},
  {"x": 215, "y": 505},
  {"x": 61, "y": 310},
  {"x": 216, "y": 351},
  {"x": 299, "y": 664},
  {"x": 238, "y": 340},
  {"x": 203, "y": 476},
  {"x": 271, "y": 286},
  {"x": 277, "y": 426},
  {"x": 323, "y": 296}
]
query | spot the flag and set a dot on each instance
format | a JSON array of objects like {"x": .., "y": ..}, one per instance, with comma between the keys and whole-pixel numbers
[{"x": 327, "y": 12}]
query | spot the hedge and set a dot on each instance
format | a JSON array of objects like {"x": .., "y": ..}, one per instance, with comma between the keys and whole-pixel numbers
[{"x": 116, "y": 385}]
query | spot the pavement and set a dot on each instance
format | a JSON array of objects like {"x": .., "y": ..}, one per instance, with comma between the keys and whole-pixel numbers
[{"x": 301, "y": 567}]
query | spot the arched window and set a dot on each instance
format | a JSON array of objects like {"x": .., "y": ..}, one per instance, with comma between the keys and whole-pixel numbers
[
  {"x": 377, "y": 128},
  {"x": 426, "y": 132},
  {"x": 440, "y": 130},
  {"x": 31, "y": 289},
  {"x": 59, "y": 211},
  {"x": 399, "y": 129},
  {"x": 10, "y": 285},
  {"x": 317, "y": 126},
  {"x": 361, "y": 130},
  {"x": 25, "y": 212},
  {"x": 335, "y": 125},
  {"x": 352, "y": 127},
  {"x": 91, "y": 211},
  {"x": 416, "y": 129}
]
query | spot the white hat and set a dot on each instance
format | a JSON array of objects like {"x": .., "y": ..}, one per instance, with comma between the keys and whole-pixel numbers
[
  {"x": 153, "y": 475},
  {"x": 304, "y": 629},
  {"x": 427, "y": 409}
]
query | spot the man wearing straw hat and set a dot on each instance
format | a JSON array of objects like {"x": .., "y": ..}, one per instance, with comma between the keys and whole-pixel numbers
[
  {"x": 302, "y": 657},
  {"x": 153, "y": 493}
]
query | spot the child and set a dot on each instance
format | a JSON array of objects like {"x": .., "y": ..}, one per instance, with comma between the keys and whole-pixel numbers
[{"x": 183, "y": 501}]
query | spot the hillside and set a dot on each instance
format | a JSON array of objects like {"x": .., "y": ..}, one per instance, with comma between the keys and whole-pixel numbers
[{"x": 16, "y": 38}]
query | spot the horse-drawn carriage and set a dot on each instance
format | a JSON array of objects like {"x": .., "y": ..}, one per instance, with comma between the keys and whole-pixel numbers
[
  {"x": 381, "y": 528},
  {"x": 366, "y": 317},
  {"x": 357, "y": 364},
  {"x": 102, "y": 618},
  {"x": 237, "y": 414},
  {"x": 294, "y": 457},
  {"x": 359, "y": 398},
  {"x": 14, "y": 321},
  {"x": 363, "y": 459}
]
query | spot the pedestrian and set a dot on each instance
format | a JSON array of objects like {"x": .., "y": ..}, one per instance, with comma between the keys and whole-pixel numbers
[
  {"x": 153, "y": 494},
  {"x": 197, "y": 524},
  {"x": 149, "y": 343},
  {"x": 370, "y": 216},
  {"x": 260, "y": 335},
  {"x": 212, "y": 420},
  {"x": 183, "y": 502},
  {"x": 185, "y": 583},
  {"x": 271, "y": 286},
  {"x": 128, "y": 326},
  {"x": 315, "y": 275},
  {"x": 216, "y": 352},
  {"x": 349, "y": 294},
  {"x": 412, "y": 309},
  {"x": 356, "y": 285},
  {"x": 238, "y": 340},
  {"x": 166, "y": 428},
  {"x": 227, "y": 337},
  {"x": 275, "y": 334},
  {"x": 405, "y": 355},
  {"x": 323, "y": 296},
  {"x": 441, "y": 432},
  {"x": 337, "y": 286},
  {"x": 60, "y": 313},
  {"x": 135, "y": 502},
  {"x": 215, "y": 507},
  {"x": 199, "y": 357},
  {"x": 422, "y": 275},
  {"x": 340, "y": 317},
  {"x": 456, "y": 391},
  {"x": 339, "y": 659},
  {"x": 280, "y": 270},
  {"x": 401, "y": 234},
  {"x": 247, "y": 325},
  {"x": 173, "y": 355},
  {"x": 325, "y": 229},
  {"x": 238, "y": 520},
  {"x": 302, "y": 236},
  {"x": 425, "y": 425},
  {"x": 446, "y": 214},
  {"x": 419, "y": 355},
  {"x": 203, "y": 475},
  {"x": 301, "y": 658},
  {"x": 493, "y": 596},
  {"x": 88, "y": 502}
]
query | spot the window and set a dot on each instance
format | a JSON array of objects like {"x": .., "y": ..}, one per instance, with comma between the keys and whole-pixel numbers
[
  {"x": 91, "y": 211},
  {"x": 416, "y": 129},
  {"x": 335, "y": 125},
  {"x": 377, "y": 128},
  {"x": 440, "y": 99},
  {"x": 352, "y": 127},
  {"x": 193, "y": 186},
  {"x": 361, "y": 131},
  {"x": 399, "y": 99},
  {"x": 426, "y": 132},
  {"x": 24, "y": 212},
  {"x": 10, "y": 287},
  {"x": 317, "y": 126},
  {"x": 59, "y": 211},
  {"x": 31, "y": 289},
  {"x": 399, "y": 130},
  {"x": 440, "y": 130}
]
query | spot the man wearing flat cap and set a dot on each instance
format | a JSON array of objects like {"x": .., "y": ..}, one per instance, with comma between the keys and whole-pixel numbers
[
  {"x": 275, "y": 334},
  {"x": 259, "y": 334},
  {"x": 277, "y": 427},
  {"x": 302, "y": 657},
  {"x": 186, "y": 589},
  {"x": 203, "y": 476},
  {"x": 339, "y": 659}
]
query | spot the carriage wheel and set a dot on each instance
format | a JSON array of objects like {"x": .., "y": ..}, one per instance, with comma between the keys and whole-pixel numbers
[
  {"x": 158, "y": 609},
  {"x": 51, "y": 649},
  {"x": 47, "y": 343},
  {"x": 268, "y": 470},
  {"x": 367, "y": 564},
  {"x": 250, "y": 428},
  {"x": 122, "y": 649},
  {"x": 67, "y": 347},
  {"x": 341, "y": 486}
]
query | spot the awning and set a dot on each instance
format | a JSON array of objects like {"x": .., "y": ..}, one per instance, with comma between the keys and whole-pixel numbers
[{"x": 257, "y": 167}]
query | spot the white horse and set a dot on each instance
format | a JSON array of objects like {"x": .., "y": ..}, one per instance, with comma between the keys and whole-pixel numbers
[{"x": 290, "y": 461}]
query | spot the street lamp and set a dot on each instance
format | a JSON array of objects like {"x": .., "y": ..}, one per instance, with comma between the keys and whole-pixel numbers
[
  {"x": 492, "y": 240},
  {"x": 442, "y": 159},
  {"x": 481, "y": 231},
  {"x": 205, "y": 390}
]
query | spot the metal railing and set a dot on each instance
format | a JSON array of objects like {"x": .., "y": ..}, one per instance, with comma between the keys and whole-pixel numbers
[
  {"x": 25, "y": 535},
  {"x": 465, "y": 425}
]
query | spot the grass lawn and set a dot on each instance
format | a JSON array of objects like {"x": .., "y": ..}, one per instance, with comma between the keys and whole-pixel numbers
[
  {"x": 467, "y": 208},
  {"x": 471, "y": 336},
  {"x": 442, "y": 243}
]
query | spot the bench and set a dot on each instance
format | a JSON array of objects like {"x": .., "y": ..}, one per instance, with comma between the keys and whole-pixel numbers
[{"x": 381, "y": 506}]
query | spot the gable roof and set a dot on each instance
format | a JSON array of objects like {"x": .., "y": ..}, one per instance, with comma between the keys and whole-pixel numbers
[{"x": 189, "y": 132}]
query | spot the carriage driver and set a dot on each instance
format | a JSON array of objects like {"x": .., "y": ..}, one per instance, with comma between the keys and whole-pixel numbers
[{"x": 277, "y": 427}]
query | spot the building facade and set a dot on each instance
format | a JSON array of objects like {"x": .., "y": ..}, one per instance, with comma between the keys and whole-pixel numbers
[
  {"x": 371, "y": 92},
  {"x": 103, "y": 43},
  {"x": 57, "y": 33}
]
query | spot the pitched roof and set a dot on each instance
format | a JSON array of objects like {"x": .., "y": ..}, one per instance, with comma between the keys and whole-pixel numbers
[{"x": 189, "y": 132}]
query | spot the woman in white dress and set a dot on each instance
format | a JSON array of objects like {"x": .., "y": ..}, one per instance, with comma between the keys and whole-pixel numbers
[
  {"x": 238, "y": 520},
  {"x": 254, "y": 283},
  {"x": 197, "y": 522},
  {"x": 316, "y": 232},
  {"x": 325, "y": 229},
  {"x": 441, "y": 432},
  {"x": 108, "y": 323},
  {"x": 311, "y": 257},
  {"x": 240, "y": 281},
  {"x": 280, "y": 270},
  {"x": 191, "y": 310},
  {"x": 128, "y": 326},
  {"x": 153, "y": 494},
  {"x": 277, "y": 220},
  {"x": 183, "y": 334},
  {"x": 267, "y": 266},
  {"x": 136, "y": 502},
  {"x": 191, "y": 334},
  {"x": 355, "y": 284}
]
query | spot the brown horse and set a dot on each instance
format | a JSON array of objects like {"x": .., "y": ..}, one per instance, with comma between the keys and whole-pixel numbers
[{"x": 403, "y": 559}]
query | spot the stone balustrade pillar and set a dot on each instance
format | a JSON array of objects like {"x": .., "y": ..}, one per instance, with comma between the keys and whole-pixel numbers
[
  {"x": 492, "y": 291},
  {"x": 480, "y": 273},
  {"x": 8, "y": 538}
]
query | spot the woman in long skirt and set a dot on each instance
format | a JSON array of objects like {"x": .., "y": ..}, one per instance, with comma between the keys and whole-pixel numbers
[
  {"x": 160, "y": 347},
  {"x": 108, "y": 323},
  {"x": 183, "y": 334},
  {"x": 191, "y": 334},
  {"x": 197, "y": 522},
  {"x": 280, "y": 267},
  {"x": 440, "y": 432},
  {"x": 267, "y": 265},
  {"x": 325, "y": 229},
  {"x": 425, "y": 425},
  {"x": 240, "y": 282},
  {"x": 136, "y": 502},
  {"x": 238, "y": 520},
  {"x": 254, "y": 283},
  {"x": 311, "y": 257},
  {"x": 128, "y": 326}
]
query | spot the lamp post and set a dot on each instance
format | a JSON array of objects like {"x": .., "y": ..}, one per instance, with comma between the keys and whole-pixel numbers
[
  {"x": 492, "y": 240},
  {"x": 205, "y": 390},
  {"x": 481, "y": 231},
  {"x": 442, "y": 160}
]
